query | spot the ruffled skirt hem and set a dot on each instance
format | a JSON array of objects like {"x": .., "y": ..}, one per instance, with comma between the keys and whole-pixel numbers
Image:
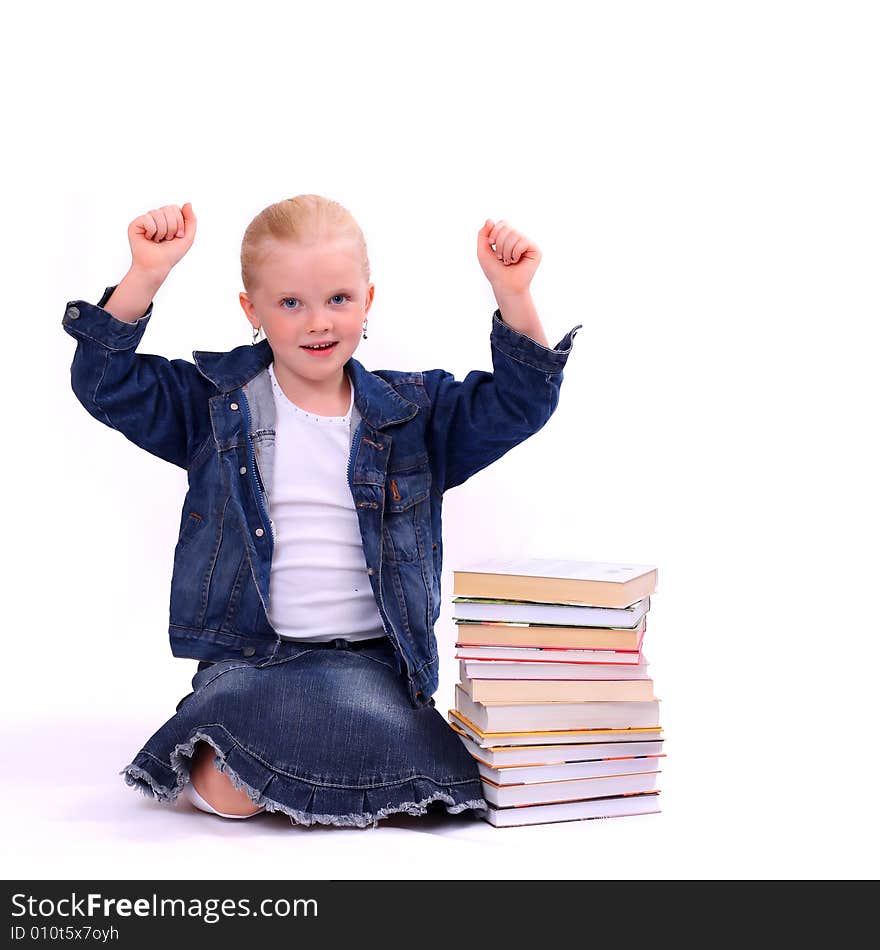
[{"x": 306, "y": 803}]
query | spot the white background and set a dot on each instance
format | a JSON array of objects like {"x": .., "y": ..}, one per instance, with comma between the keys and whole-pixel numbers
[{"x": 702, "y": 181}]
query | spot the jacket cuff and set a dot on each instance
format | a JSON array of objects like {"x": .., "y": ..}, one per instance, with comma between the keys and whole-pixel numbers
[
  {"x": 523, "y": 348},
  {"x": 84, "y": 319}
]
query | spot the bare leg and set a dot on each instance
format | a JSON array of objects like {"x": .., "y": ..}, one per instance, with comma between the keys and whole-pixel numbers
[{"x": 216, "y": 788}]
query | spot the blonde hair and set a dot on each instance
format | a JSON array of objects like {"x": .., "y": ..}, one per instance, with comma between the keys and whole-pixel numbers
[{"x": 304, "y": 219}]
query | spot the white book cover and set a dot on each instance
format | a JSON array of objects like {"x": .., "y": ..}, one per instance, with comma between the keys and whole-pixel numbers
[
  {"x": 627, "y": 658},
  {"x": 572, "y": 615},
  {"x": 623, "y": 807},
  {"x": 499, "y": 670},
  {"x": 545, "y": 793},
  {"x": 552, "y": 755},
  {"x": 526, "y": 775}
]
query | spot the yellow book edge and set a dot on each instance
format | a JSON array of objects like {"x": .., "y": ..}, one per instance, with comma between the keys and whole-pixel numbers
[
  {"x": 634, "y": 730},
  {"x": 548, "y": 747}
]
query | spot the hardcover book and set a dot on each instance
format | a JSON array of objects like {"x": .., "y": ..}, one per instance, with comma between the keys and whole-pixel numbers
[
  {"x": 547, "y": 793},
  {"x": 558, "y": 690},
  {"x": 598, "y": 583},
  {"x": 548, "y": 670},
  {"x": 614, "y": 807},
  {"x": 496, "y": 633},
  {"x": 534, "y": 655},
  {"x": 516, "y": 756},
  {"x": 572, "y": 615},
  {"x": 542, "y": 716},
  {"x": 528, "y": 774},
  {"x": 531, "y": 737}
]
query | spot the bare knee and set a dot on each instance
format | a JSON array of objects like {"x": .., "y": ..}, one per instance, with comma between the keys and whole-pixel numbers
[{"x": 215, "y": 787}]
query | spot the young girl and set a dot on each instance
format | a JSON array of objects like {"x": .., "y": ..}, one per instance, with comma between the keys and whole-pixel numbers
[{"x": 306, "y": 574}]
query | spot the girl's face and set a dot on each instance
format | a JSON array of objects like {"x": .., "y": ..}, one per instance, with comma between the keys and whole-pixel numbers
[{"x": 310, "y": 293}]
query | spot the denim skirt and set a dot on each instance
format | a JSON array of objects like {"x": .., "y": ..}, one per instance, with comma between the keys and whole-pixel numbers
[{"x": 323, "y": 732}]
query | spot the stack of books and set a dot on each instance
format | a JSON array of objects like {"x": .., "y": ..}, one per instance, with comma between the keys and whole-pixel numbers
[{"x": 554, "y": 701}]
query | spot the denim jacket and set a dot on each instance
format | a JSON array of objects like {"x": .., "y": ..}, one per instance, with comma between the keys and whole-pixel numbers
[{"x": 418, "y": 435}]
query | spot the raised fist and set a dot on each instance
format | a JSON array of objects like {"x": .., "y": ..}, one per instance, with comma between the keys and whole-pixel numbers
[{"x": 161, "y": 237}]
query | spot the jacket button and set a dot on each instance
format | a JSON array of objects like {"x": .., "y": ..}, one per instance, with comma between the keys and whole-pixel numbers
[
  {"x": 242, "y": 470},
  {"x": 73, "y": 313},
  {"x": 419, "y": 694},
  {"x": 248, "y": 651},
  {"x": 259, "y": 532},
  {"x": 233, "y": 405},
  {"x": 371, "y": 571}
]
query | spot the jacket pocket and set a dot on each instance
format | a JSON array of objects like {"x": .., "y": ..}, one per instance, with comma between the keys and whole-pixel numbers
[
  {"x": 406, "y": 510},
  {"x": 190, "y": 528}
]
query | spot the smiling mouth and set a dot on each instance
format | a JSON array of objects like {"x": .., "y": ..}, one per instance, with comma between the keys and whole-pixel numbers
[{"x": 321, "y": 348}]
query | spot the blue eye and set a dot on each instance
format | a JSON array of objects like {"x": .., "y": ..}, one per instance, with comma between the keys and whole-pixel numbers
[{"x": 285, "y": 299}]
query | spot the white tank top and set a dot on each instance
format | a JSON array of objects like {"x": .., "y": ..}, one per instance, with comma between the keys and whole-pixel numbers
[{"x": 318, "y": 583}]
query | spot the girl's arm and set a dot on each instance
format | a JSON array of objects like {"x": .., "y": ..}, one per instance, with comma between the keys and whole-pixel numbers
[
  {"x": 161, "y": 405},
  {"x": 476, "y": 421},
  {"x": 133, "y": 295}
]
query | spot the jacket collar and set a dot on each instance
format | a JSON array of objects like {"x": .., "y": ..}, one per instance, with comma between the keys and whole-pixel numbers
[{"x": 375, "y": 399}]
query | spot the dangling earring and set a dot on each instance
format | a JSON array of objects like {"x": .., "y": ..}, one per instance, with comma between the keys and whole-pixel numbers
[
  {"x": 365, "y": 329},
  {"x": 256, "y": 334}
]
